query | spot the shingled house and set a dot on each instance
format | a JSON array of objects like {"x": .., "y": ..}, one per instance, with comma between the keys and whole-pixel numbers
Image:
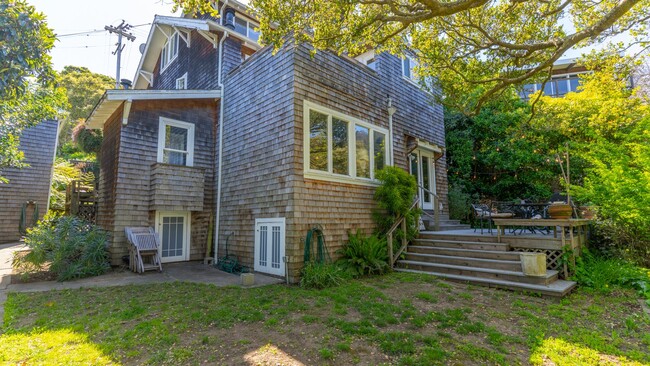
[
  {"x": 219, "y": 133},
  {"x": 25, "y": 198}
]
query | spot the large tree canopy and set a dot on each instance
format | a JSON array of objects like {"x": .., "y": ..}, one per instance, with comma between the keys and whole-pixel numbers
[{"x": 475, "y": 49}]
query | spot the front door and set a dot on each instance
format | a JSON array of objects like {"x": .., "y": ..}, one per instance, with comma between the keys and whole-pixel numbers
[
  {"x": 174, "y": 231},
  {"x": 269, "y": 246},
  {"x": 423, "y": 169}
]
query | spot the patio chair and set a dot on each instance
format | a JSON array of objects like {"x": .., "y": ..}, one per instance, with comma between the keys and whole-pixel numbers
[
  {"x": 143, "y": 244},
  {"x": 484, "y": 213}
]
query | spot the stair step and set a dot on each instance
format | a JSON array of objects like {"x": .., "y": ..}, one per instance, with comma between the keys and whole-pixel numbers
[
  {"x": 486, "y": 254},
  {"x": 557, "y": 288},
  {"x": 478, "y": 272},
  {"x": 507, "y": 265},
  {"x": 462, "y": 244}
]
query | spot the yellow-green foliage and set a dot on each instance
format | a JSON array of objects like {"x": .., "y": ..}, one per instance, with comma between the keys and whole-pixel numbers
[
  {"x": 53, "y": 347},
  {"x": 554, "y": 351}
]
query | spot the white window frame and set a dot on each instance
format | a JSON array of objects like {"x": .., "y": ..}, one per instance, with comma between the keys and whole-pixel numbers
[
  {"x": 163, "y": 122},
  {"x": 329, "y": 175},
  {"x": 412, "y": 64},
  {"x": 250, "y": 26},
  {"x": 171, "y": 53},
  {"x": 184, "y": 80}
]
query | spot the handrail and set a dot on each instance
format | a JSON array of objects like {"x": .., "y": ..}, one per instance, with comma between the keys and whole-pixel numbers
[
  {"x": 436, "y": 208},
  {"x": 401, "y": 221}
]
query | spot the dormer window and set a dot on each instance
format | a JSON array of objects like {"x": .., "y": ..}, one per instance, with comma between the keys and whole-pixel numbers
[
  {"x": 169, "y": 52},
  {"x": 246, "y": 28}
]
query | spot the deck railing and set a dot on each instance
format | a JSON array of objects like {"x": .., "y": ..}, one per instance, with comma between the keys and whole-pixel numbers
[{"x": 401, "y": 221}]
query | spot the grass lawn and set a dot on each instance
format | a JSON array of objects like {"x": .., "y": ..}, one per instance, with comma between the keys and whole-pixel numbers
[{"x": 397, "y": 319}]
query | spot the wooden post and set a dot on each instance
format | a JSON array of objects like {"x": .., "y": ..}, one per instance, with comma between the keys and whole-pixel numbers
[
  {"x": 436, "y": 212},
  {"x": 404, "y": 240},
  {"x": 390, "y": 249}
]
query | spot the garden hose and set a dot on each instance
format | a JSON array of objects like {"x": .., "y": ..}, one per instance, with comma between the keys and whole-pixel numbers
[{"x": 321, "y": 254}]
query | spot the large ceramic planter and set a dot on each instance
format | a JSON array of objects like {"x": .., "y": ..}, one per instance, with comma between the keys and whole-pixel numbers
[{"x": 561, "y": 211}]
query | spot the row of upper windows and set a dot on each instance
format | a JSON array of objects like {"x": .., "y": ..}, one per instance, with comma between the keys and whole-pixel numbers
[{"x": 556, "y": 87}]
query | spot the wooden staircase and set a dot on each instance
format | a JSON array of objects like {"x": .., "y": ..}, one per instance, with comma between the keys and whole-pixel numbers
[
  {"x": 445, "y": 222},
  {"x": 477, "y": 259}
]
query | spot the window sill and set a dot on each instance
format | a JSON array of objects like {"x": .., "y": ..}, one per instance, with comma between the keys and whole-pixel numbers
[{"x": 340, "y": 179}]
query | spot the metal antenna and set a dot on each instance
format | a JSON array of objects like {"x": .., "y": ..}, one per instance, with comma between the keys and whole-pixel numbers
[{"x": 121, "y": 31}]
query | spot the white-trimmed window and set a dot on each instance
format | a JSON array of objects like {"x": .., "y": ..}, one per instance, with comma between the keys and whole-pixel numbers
[
  {"x": 169, "y": 51},
  {"x": 181, "y": 82},
  {"x": 340, "y": 147},
  {"x": 175, "y": 142},
  {"x": 408, "y": 66},
  {"x": 247, "y": 28}
]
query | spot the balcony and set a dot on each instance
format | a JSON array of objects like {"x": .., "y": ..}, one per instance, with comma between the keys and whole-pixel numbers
[{"x": 177, "y": 188}]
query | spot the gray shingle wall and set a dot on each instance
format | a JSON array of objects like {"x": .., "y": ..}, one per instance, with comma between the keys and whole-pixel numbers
[
  {"x": 137, "y": 156},
  {"x": 263, "y": 148},
  {"x": 28, "y": 184}
]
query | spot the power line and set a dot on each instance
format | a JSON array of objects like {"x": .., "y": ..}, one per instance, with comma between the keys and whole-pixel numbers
[{"x": 95, "y": 31}]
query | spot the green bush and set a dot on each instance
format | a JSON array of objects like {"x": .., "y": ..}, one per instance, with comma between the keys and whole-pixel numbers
[
  {"x": 603, "y": 274},
  {"x": 70, "y": 246},
  {"x": 394, "y": 198},
  {"x": 625, "y": 241},
  {"x": 364, "y": 255},
  {"x": 460, "y": 204},
  {"x": 322, "y": 275}
]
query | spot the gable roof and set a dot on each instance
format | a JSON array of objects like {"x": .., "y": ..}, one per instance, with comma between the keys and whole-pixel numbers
[{"x": 163, "y": 27}]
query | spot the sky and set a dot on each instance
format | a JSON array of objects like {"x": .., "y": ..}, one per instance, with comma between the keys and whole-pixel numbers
[{"x": 82, "y": 40}]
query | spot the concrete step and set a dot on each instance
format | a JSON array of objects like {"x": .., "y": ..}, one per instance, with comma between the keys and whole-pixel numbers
[
  {"x": 506, "y": 265},
  {"x": 486, "y": 254},
  {"x": 498, "y": 274},
  {"x": 557, "y": 288},
  {"x": 459, "y": 244}
]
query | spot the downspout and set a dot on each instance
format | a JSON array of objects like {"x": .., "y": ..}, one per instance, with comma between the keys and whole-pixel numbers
[
  {"x": 223, "y": 95},
  {"x": 391, "y": 111}
]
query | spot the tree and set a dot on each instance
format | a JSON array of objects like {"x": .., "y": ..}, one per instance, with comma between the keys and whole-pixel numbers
[
  {"x": 28, "y": 94},
  {"x": 474, "y": 49},
  {"x": 83, "y": 89}
]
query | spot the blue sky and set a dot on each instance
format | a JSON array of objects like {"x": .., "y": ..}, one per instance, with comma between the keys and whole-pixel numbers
[{"x": 93, "y": 47}]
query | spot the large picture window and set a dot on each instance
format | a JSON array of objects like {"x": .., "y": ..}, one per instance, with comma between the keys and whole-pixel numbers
[
  {"x": 339, "y": 147},
  {"x": 175, "y": 142}
]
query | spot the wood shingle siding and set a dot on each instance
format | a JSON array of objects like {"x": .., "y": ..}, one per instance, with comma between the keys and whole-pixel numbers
[
  {"x": 28, "y": 184},
  {"x": 263, "y": 144},
  {"x": 136, "y": 168}
]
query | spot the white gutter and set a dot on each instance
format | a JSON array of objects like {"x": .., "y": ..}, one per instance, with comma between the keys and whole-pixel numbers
[
  {"x": 220, "y": 83},
  {"x": 391, "y": 111}
]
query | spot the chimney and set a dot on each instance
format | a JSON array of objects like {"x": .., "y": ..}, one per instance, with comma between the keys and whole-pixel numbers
[
  {"x": 126, "y": 83},
  {"x": 229, "y": 18}
]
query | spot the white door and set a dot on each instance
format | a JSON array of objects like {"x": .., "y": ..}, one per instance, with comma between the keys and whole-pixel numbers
[
  {"x": 423, "y": 169},
  {"x": 269, "y": 246},
  {"x": 173, "y": 228}
]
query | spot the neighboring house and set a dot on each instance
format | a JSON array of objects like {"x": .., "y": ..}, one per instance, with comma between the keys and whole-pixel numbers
[
  {"x": 565, "y": 78},
  {"x": 28, "y": 190},
  {"x": 222, "y": 134}
]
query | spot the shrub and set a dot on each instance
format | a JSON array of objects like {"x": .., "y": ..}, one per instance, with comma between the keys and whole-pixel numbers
[
  {"x": 394, "y": 198},
  {"x": 364, "y": 255},
  {"x": 459, "y": 204},
  {"x": 70, "y": 246},
  {"x": 322, "y": 275},
  {"x": 602, "y": 274},
  {"x": 627, "y": 242}
]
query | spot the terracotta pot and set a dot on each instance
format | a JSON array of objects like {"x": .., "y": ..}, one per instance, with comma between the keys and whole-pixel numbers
[
  {"x": 587, "y": 212},
  {"x": 560, "y": 211}
]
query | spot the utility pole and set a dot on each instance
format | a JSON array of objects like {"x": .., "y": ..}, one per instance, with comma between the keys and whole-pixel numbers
[{"x": 121, "y": 31}]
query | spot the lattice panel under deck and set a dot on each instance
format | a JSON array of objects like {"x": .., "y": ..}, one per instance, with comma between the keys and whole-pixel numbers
[{"x": 553, "y": 257}]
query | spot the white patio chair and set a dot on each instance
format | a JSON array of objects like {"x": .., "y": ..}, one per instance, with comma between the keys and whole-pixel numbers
[{"x": 143, "y": 243}]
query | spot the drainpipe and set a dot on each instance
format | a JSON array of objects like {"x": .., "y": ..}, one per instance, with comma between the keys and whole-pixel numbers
[
  {"x": 223, "y": 94},
  {"x": 391, "y": 111}
]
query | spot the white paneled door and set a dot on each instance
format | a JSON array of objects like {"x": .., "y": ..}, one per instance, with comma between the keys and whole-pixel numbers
[
  {"x": 269, "y": 246},
  {"x": 174, "y": 231}
]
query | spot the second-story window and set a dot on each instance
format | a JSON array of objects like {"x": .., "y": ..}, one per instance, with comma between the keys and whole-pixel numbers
[
  {"x": 408, "y": 65},
  {"x": 246, "y": 28},
  {"x": 169, "y": 52},
  {"x": 175, "y": 142},
  {"x": 181, "y": 82}
]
